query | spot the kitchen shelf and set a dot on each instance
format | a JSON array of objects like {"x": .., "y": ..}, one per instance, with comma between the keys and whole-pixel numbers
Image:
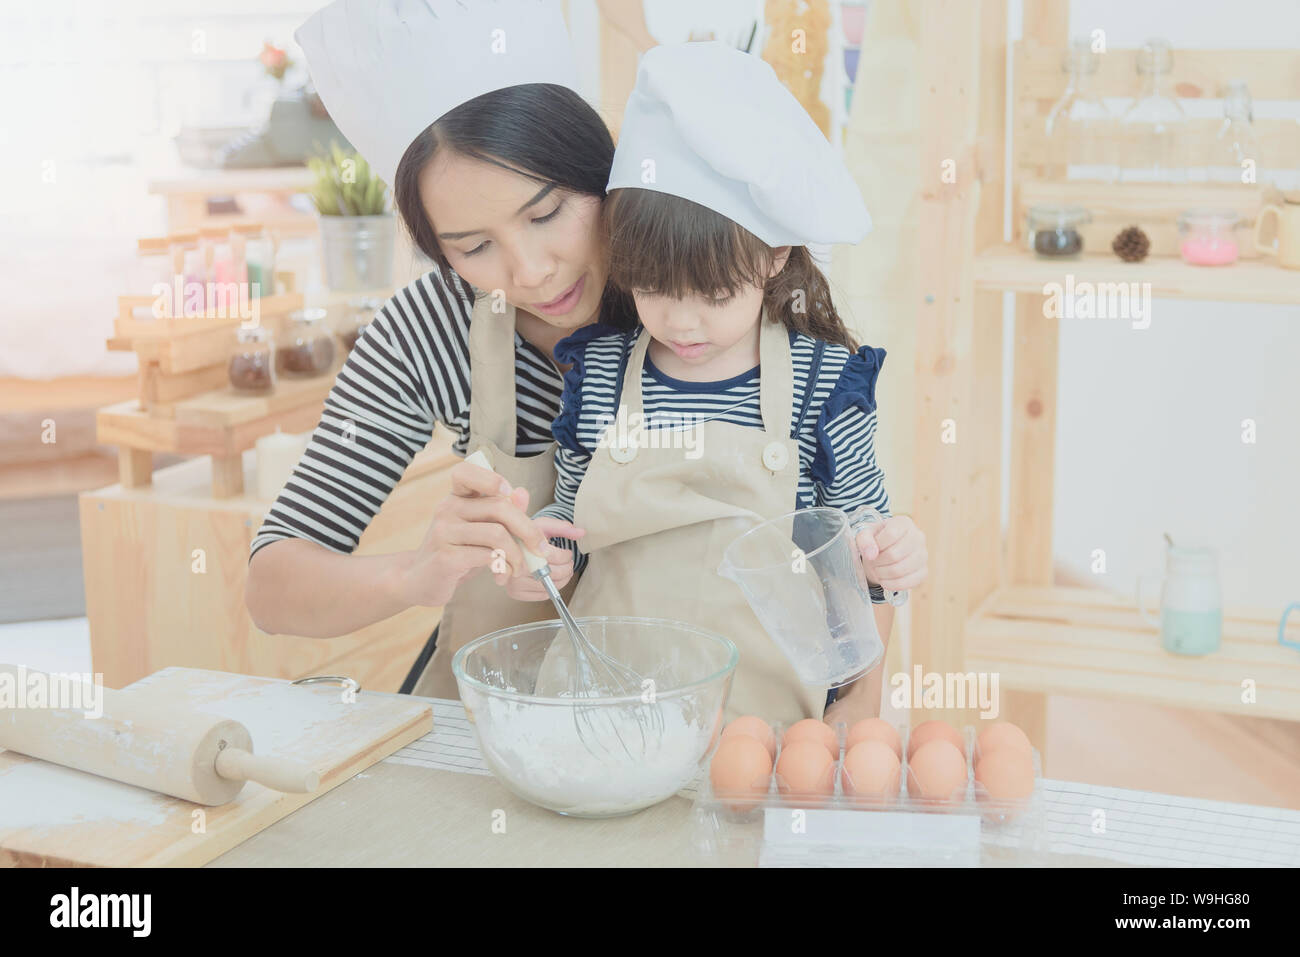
[
  {"x": 1081, "y": 641},
  {"x": 1018, "y": 270}
]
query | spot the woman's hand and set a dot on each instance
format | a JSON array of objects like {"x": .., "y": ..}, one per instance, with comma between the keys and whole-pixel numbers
[
  {"x": 893, "y": 553},
  {"x": 527, "y": 588},
  {"x": 475, "y": 527}
]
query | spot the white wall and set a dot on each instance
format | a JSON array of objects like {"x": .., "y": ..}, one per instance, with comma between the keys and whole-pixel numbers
[{"x": 1149, "y": 425}]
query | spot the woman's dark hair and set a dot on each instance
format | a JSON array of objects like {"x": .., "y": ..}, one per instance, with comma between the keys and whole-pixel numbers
[
  {"x": 542, "y": 131},
  {"x": 670, "y": 246}
]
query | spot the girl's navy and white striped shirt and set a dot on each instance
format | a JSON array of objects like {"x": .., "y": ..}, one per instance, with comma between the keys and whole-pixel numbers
[
  {"x": 833, "y": 415},
  {"x": 408, "y": 371}
]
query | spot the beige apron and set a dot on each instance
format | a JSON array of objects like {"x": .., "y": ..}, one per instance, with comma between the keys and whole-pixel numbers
[
  {"x": 480, "y": 606},
  {"x": 657, "y": 523}
]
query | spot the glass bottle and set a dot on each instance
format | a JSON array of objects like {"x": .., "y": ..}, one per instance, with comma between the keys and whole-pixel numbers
[
  {"x": 252, "y": 361},
  {"x": 223, "y": 284},
  {"x": 259, "y": 259},
  {"x": 358, "y": 316},
  {"x": 152, "y": 277},
  {"x": 1234, "y": 149},
  {"x": 1080, "y": 127},
  {"x": 308, "y": 348},
  {"x": 1154, "y": 129},
  {"x": 188, "y": 265}
]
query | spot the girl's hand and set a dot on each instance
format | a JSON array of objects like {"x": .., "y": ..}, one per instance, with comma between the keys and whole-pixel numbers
[
  {"x": 893, "y": 553},
  {"x": 473, "y": 528},
  {"x": 527, "y": 588}
]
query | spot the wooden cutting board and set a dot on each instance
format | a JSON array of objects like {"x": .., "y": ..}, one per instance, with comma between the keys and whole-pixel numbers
[{"x": 57, "y": 817}]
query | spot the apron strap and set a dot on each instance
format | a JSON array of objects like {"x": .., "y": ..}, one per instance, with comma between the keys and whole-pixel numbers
[
  {"x": 631, "y": 394},
  {"x": 492, "y": 412},
  {"x": 775, "y": 383},
  {"x": 776, "y": 380}
]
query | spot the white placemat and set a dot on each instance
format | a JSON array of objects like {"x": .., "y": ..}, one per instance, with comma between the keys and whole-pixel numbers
[{"x": 1142, "y": 828}]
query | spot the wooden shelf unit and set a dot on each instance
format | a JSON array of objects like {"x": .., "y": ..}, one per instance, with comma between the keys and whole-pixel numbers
[
  {"x": 186, "y": 405},
  {"x": 990, "y": 603}
]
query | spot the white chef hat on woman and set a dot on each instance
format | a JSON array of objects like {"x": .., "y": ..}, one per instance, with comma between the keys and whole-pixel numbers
[
  {"x": 386, "y": 69},
  {"x": 711, "y": 124}
]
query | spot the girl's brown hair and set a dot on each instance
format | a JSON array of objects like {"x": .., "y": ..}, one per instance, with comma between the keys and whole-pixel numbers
[{"x": 670, "y": 246}]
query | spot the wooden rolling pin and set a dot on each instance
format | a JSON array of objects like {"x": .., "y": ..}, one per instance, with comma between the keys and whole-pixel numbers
[{"x": 188, "y": 754}]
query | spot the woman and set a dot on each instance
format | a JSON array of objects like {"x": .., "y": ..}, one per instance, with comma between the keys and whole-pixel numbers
[{"x": 498, "y": 169}]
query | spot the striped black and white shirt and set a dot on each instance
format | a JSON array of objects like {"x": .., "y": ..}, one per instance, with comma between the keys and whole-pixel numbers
[
  {"x": 408, "y": 371},
  {"x": 833, "y": 415}
]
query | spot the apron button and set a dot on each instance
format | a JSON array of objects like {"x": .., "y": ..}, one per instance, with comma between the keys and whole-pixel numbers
[
  {"x": 622, "y": 454},
  {"x": 775, "y": 456}
]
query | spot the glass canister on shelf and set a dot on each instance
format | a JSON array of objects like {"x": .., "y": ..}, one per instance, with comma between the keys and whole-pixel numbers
[
  {"x": 1234, "y": 151},
  {"x": 252, "y": 361},
  {"x": 1207, "y": 237},
  {"x": 1053, "y": 231},
  {"x": 1154, "y": 131},
  {"x": 1191, "y": 605},
  {"x": 152, "y": 276},
  {"x": 356, "y": 318},
  {"x": 308, "y": 348},
  {"x": 1080, "y": 127}
]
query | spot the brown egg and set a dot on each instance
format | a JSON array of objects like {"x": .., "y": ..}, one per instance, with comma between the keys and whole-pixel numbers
[
  {"x": 741, "y": 769},
  {"x": 937, "y": 772},
  {"x": 805, "y": 770},
  {"x": 1002, "y": 735},
  {"x": 928, "y": 731},
  {"x": 871, "y": 770},
  {"x": 810, "y": 729},
  {"x": 756, "y": 728},
  {"x": 875, "y": 729},
  {"x": 1006, "y": 775}
]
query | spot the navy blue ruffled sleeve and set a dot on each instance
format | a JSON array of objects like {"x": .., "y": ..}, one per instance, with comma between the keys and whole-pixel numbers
[
  {"x": 572, "y": 351},
  {"x": 856, "y": 388}
]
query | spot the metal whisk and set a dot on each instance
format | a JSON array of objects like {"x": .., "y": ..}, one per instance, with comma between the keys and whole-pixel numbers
[{"x": 595, "y": 674}]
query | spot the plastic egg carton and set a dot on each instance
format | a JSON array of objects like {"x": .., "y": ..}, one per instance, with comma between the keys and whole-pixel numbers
[{"x": 730, "y": 829}]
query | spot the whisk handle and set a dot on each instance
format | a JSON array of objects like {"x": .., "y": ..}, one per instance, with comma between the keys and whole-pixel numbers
[{"x": 534, "y": 562}]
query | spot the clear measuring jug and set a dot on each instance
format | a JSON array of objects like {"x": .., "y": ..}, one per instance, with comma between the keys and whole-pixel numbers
[{"x": 801, "y": 575}]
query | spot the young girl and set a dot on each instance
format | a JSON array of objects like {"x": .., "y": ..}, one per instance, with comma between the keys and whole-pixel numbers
[{"x": 743, "y": 393}]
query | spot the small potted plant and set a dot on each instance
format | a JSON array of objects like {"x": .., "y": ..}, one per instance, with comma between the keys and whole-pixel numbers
[{"x": 357, "y": 228}]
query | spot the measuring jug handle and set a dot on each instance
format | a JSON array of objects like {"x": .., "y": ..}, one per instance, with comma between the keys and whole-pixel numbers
[
  {"x": 859, "y": 520},
  {"x": 1281, "y": 627}
]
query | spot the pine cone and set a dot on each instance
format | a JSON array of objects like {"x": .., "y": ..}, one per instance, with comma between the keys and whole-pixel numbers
[{"x": 1131, "y": 245}]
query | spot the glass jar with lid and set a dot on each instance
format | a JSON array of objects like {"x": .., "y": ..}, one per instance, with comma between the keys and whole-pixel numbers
[
  {"x": 1053, "y": 231},
  {"x": 187, "y": 263},
  {"x": 252, "y": 361},
  {"x": 308, "y": 348},
  {"x": 356, "y": 318},
  {"x": 1207, "y": 237}
]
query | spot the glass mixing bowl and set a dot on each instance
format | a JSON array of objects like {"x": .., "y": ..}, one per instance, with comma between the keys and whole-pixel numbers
[{"x": 595, "y": 762}]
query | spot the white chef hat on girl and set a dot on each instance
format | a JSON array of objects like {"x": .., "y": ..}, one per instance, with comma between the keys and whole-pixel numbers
[
  {"x": 714, "y": 125},
  {"x": 386, "y": 69}
]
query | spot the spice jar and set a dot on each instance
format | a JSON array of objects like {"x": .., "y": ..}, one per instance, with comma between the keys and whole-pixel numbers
[
  {"x": 191, "y": 295},
  {"x": 1053, "y": 231},
  {"x": 357, "y": 317},
  {"x": 252, "y": 362},
  {"x": 1205, "y": 237},
  {"x": 308, "y": 348}
]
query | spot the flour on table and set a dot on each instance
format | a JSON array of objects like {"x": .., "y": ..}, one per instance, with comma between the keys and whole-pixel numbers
[{"x": 39, "y": 794}]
